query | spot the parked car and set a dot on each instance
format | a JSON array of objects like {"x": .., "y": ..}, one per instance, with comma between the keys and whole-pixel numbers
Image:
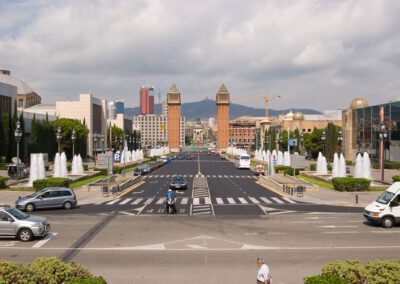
[
  {"x": 146, "y": 169},
  {"x": 137, "y": 171},
  {"x": 51, "y": 197},
  {"x": 178, "y": 182},
  {"x": 14, "y": 223},
  {"x": 386, "y": 209}
]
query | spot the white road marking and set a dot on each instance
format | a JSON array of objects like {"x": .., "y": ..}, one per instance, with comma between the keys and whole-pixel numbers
[
  {"x": 231, "y": 201},
  {"x": 196, "y": 247},
  {"x": 160, "y": 201},
  {"x": 333, "y": 226},
  {"x": 242, "y": 200},
  {"x": 214, "y": 176},
  {"x": 113, "y": 201},
  {"x": 125, "y": 201},
  {"x": 148, "y": 201},
  {"x": 219, "y": 176},
  {"x": 225, "y": 176},
  {"x": 266, "y": 200},
  {"x": 219, "y": 200},
  {"x": 190, "y": 176},
  {"x": 207, "y": 200},
  {"x": 385, "y": 232},
  {"x": 151, "y": 176},
  {"x": 254, "y": 200},
  {"x": 184, "y": 200},
  {"x": 161, "y": 176},
  {"x": 289, "y": 200},
  {"x": 137, "y": 201},
  {"x": 342, "y": 232},
  {"x": 277, "y": 200},
  {"x": 167, "y": 176},
  {"x": 47, "y": 238},
  {"x": 8, "y": 244},
  {"x": 237, "y": 176},
  {"x": 196, "y": 201}
]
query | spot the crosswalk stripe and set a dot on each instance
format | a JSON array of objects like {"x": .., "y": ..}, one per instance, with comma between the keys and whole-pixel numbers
[
  {"x": 208, "y": 176},
  {"x": 242, "y": 200},
  {"x": 196, "y": 201},
  {"x": 219, "y": 176},
  {"x": 214, "y": 176},
  {"x": 231, "y": 176},
  {"x": 148, "y": 201},
  {"x": 219, "y": 200},
  {"x": 231, "y": 201},
  {"x": 237, "y": 176},
  {"x": 254, "y": 200},
  {"x": 160, "y": 201},
  {"x": 207, "y": 200},
  {"x": 125, "y": 201},
  {"x": 184, "y": 175},
  {"x": 225, "y": 176},
  {"x": 289, "y": 200},
  {"x": 161, "y": 176},
  {"x": 277, "y": 200},
  {"x": 243, "y": 176},
  {"x": 266, "y": 200},
  {"x": 137, "y": 201},
  {"x": 151, "y": 176},
  {"x": 184, "y": 200},
  {"x": 113, "y": 201},
  {"x": 190, "y": 176},
  {"x": 167, "y": 176}
]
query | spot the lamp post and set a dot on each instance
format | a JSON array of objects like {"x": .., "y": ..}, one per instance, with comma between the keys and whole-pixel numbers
[
  {"x": 18, "y": 136},
  {"x": 102, "y": 141},
  {"x": 95, "y": 138},
  {"x": 302, "y": 143},
  {"x": 382, "y": 136},
  {"x": 73, "y": 138},
  {"x": 59, "y": 136},
  {"x": 340, "y": 139},
  {"x": 323, "y": 138}
]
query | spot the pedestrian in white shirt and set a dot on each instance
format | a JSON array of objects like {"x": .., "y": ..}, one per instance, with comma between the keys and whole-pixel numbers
[{"x": 263, "y": 274}]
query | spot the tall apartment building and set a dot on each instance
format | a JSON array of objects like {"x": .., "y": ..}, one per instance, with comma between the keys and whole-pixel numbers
[
  {"x": 146, "y": 100},
  {"x": 154, "y": 131},
  {"x": 119, "y": 107},
  {"x": 111, "y": 110}
]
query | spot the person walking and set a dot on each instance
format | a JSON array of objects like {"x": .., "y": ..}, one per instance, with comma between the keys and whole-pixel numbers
[{"x": 263, "y": 274}]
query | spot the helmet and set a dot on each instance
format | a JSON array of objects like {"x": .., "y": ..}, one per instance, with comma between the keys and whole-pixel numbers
[{"x": 169, "y": 190}]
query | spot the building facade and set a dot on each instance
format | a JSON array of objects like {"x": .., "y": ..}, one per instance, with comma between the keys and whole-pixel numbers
[
  {"x": 174, "y": 121},
  {"x": 223, "y": 101},
  {"x": 111, "y": 110},
  {"x": 121, "y": 121},
  {"x": 8, "y": 94},
  {"x": 242, "y": 131},
  {"x": 146, "y": 101},
  {"x": 119, "y": 107}
]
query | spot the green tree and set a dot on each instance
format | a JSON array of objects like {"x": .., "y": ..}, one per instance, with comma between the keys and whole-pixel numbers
[
  {"x": 117, "y": 132},
  {"x": 67, "y": 125},
  {"x": 313, "y": 142},
  {"x": 283, "y": 145},
  {"x": 331, "y": 142}
]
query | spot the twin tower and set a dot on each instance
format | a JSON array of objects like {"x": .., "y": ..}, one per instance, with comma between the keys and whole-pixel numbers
[{"x": 174, "y": 114}]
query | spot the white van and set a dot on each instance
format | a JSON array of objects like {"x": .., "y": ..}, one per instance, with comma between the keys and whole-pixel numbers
[
  {"x": 386, "y": 209},
  {"x": 243, "y": 161}
]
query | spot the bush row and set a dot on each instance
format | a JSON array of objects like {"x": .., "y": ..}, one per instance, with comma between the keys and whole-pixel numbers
[
  {"x": 387, "y": 165},
  {"x": 117, "y": 169},
  {"x": 85, "y": 167},
  {"x": 356, "y": 272},
  {"x": 287, "y": 170},
  {"x": 351, "y": 184},
  {"x": 49, "y": 270},
  {"x": 3, "y": 182},
  {"x": 395, "y": 178},
  {"x": 313, "y": 167},
  {"x": 102, "y": 172},
  {"x": 50, "y": 182}
]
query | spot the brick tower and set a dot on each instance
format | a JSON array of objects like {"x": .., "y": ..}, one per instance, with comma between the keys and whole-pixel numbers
[
  {"x": 223, "y": 118},
  {"x": 174, "y": 115}
]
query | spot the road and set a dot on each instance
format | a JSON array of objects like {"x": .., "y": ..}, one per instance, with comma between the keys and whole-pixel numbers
[{"x": 132, "y": 240}]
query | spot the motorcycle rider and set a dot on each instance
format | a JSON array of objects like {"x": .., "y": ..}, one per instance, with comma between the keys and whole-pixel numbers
[{"x": 170, "y": 195}]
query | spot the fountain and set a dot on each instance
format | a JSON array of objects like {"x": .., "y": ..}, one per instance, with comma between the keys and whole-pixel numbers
[
  {"x": 366, "y": 166},
  {"x": 342, "y": 166},
  {"x": 57, "y": 166},
  {"x": 335, "y": 168},
  {"x": 359, "y": 168},
  {"x": 286, "y": 159},
  {"x": 64, "y": 172},
  {"x": 280, "y": 158},
  {"x": 77, "y": 167},
  {"x": 37, "y": 170},
  {"x": 322, "y": 165},
  {"x": 271, "y": 167},
  {"x": 60, "y": 165}
]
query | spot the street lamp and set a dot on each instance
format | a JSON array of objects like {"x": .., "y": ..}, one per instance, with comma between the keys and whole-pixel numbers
[
  {"x": 59, "y": 136},
  {"x": 383, "y": 133},
  {"x": 102, "y": 141},
  {"x": 73, "y": 138},
  {"x": 95, "y": 149},
  {"x": 323, "y": 138},
  {"x": 18, "y": 136},
  {"x": 340, "y": 139},
  {"x": 302, "y": 143}
]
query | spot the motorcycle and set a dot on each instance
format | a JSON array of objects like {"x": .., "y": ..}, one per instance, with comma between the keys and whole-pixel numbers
[{"x": 171, "y": 208}]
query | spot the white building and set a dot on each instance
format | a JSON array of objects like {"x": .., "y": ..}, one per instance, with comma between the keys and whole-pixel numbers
[
  {"x": 154, "y": 130},
  {"x": 111, "y": 110},
  {"x": 121, "y": 121}
]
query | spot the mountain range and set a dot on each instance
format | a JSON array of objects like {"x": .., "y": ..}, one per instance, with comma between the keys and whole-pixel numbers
[{"x": 207, "y": 108}]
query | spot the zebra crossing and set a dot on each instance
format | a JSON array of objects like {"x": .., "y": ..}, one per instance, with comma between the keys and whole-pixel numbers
[
  {"x": 201, "y": 161},
  {"x": 199, "y": 200},
  {"x": 207, "y": 176}
]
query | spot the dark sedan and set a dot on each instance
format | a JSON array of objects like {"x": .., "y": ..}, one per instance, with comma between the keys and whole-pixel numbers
[{"x": 178, "y": 182}]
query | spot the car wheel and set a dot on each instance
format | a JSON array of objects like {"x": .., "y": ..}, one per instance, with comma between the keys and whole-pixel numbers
[
  {"x": 387, "y": 222},
  {"x": 29, "y": 207},
  {"x": 67, "y": 205},
  {"x": 25, "y": 235}
]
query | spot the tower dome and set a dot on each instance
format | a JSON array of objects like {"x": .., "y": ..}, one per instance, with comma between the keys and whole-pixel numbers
[
  {"x": 298, "y": 116},
  {"x": 358, "y": 103}
]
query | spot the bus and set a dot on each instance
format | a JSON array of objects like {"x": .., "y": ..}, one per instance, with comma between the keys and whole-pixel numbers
[{"x": 243, "y": 161}]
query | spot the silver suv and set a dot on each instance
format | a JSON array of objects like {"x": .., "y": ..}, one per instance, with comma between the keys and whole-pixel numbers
[
  {"x": 14, "y": 223},
  {"x": 54, "y": 197}
]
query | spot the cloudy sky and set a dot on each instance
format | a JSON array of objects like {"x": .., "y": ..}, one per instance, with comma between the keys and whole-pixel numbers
[{"x": 317, "y": 54}]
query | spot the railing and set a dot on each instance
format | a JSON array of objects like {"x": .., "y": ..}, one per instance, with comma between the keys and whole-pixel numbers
[{"x": 291, "y": 190}]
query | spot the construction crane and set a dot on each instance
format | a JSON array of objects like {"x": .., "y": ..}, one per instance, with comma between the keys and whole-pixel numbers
[{"x": 266, "y": 97}]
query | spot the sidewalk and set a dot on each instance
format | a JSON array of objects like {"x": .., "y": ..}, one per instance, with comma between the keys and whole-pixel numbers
[{"x": 326, "y": 196}]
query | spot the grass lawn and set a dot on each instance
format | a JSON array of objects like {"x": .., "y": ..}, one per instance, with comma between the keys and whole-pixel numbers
[
  {"x": 129, "y": 169},
  {"x": 323, "y": 184},
  {"x": 85, "y": 181},
  {"x": 18, "y": 189}
]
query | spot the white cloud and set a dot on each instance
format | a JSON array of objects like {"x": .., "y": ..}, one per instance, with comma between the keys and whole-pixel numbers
[{"x": 315, "y": 53}]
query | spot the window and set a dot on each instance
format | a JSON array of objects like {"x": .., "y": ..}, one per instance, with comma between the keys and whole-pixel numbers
[{"x": 4, "y": 217}]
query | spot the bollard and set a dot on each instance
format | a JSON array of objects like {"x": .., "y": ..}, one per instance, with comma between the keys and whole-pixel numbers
[{"x": 356, "y": 198}]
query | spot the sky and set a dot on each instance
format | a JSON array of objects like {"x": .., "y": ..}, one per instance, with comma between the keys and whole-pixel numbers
[{"x": 314, "y": 54}]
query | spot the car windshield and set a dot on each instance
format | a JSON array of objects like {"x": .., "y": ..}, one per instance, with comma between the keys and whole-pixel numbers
[
  {"x": 244, "y": 157},
  {"x": 17, "y": 214},
  {"x": 177, "y": 179},
  {"x": 37, "y": 192},
  {"x": 385, "y": 197}
]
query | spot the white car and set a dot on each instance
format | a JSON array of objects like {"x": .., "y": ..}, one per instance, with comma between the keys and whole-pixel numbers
[{"x": 386, "y": 209}]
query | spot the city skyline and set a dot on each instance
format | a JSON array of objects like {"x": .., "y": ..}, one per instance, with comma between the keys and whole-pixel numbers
[{"x": 315, "y": 54}]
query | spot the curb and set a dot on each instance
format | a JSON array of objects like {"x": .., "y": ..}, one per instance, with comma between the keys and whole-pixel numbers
[
  {"x": 273, "y": 190},
  {"x": 129, "y": 190}
]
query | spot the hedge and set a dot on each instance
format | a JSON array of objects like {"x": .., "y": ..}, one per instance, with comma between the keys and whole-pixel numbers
[
  {"x": 395, "y": 178},
  {"x": 3, "y": 166},
  {"x": 371, "y": 272},
  {"x": 3, "y": 182},
  {"x": 351, "y": 184},
  {"x": 102, "y": 172},
  {"x": 387, "y": 165},
  {"x": 324, "y": 279},
  {"x": 50, "y": 270},
  {"x": 85, "y": 167},
  {"x": 50, "y": 182},
  {"x": 313, "y": 167},
  {"x": 117, "y": 169},
  {"x": 287, "y": 170}
]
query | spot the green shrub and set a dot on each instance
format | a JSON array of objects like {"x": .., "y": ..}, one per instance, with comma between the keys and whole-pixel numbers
[
  {"x": 102, "y": 172},
  {"x": 3, "y": 166},
  {"x": 372, "y": 272},
  {"x": 387, "y": 165},
  {"x": 349, "y": 163},
  {"x": 117, "y": 169},
  {"x": 51, "y": 182},
  {"x": 324, "y": 279},
  {"x": 3, "y": 159},
  {"x": 313, "y": 167},
  {"x": 3, "y": 182},
  {"x": 395, "y": 178},
  {"x": 351, "y": 184},
  {"x": 286, "y": 170},
  {"x": 15, "y": 273},
  {"x": 89, "y": 280}
]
